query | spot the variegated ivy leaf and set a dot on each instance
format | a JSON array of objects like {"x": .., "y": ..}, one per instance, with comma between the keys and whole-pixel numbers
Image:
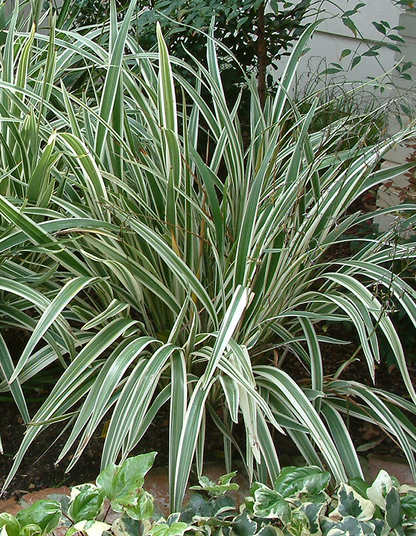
[
  {"x": 222, "y": 485},
  {"x": 313, "y": 512},
  {"x": 176, "y": 529},
  {"x": 242, "y": 524},
  {"x": 299, "y": 524},
  {"x": 409, "y": 504},
  {"x": 9, "y": 525},
  {"x": 350, "y": 503},
  {"x": 405, "y": 488},
  {"x": 141, "y": 507},
  {"x": 271, "y": 504},
  {"x": 126, "y": 526},
  {"x": 379, "y": 489},
  {"x": 87, "y": 504},
  {"x": 121, "y": 483},
  {"x": 295, "y": 480},
  {"x": 31, "y": 530},
  {"x": 350, "y": 526},
  {"x": 410, "y": 527},
  {"x": 4, "y": 531},
  {"x": 76, "y": 490},
  {"x": 92, "y": 528},
  {"x": 45, "y": 513}
]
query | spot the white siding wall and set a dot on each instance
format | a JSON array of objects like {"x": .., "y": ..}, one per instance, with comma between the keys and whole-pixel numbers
[
  {"x": 408, "y": 20},
  {"x": 332, "y": 37}
]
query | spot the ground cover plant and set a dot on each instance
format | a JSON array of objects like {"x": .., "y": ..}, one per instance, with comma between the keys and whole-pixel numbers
[
  {"x": 299, "y": 503},
  {"x": 160, "y": 257}
]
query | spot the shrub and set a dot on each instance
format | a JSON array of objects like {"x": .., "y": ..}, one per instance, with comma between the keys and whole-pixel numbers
[{"x": 158, "y": 274}]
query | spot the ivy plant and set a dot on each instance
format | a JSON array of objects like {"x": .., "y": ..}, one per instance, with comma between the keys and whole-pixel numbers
[{"x": 298, "y": 504}]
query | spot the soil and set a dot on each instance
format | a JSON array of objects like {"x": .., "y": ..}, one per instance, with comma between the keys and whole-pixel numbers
[{"x": 39, "y": 470}]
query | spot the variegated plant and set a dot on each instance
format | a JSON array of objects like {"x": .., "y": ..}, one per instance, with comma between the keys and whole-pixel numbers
[
  {"x": 299, "y": 501},
  {"x": 163, "y": 258}
]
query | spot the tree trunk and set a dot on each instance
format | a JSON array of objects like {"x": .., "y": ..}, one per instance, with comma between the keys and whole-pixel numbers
[{"x": 261, "y": 55}]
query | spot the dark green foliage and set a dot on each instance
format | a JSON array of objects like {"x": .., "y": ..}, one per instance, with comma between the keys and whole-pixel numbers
[{"x": 257, "y": 38}]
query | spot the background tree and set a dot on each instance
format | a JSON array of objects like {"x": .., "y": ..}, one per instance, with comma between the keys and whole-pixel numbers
[{"x": 257, "y": 35}]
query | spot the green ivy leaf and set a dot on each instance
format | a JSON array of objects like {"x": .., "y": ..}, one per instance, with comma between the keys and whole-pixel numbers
[
  {"x": 11, "y": 524},
  {"x": 394, "y": 513},
  {"x": 121, "y": 482},
  {"x": 44, "y": 513},
  {"x": 355, "y": 61},
  {"x": 86, "y": 505}
]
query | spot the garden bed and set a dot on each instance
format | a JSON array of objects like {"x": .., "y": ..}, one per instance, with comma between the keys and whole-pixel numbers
[{"x": 38, "y": 470}]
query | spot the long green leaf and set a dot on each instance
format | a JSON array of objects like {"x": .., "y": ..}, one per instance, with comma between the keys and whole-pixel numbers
[
  {"x": 49, "y": 316},
  {"x": 188, "y": 441},
  {"x": 95, "y": 406},
  {"x": 229, "y": 324},
  {"x": 280, "y": 382},
  {"x": 109, "y": 93},
  {"x": 7, "y": 368},
  {"x": 36, "y": 234},
  {"x": 70, "y": 385}
]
